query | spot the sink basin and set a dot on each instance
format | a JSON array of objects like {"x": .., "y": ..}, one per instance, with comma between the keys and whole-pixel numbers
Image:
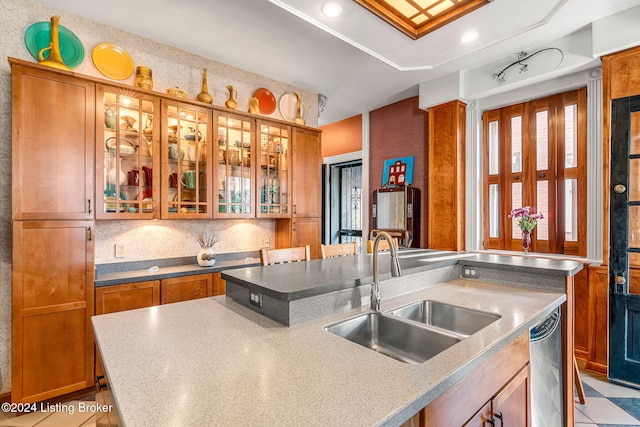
[
  {"x": 393, "y": 337},
  {"x": 460, "y": 320}
]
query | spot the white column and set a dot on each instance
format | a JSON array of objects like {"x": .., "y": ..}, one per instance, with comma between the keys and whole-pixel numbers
[
  {"x": 594, "y": 167},
  {"x": 473, "y": 178}
]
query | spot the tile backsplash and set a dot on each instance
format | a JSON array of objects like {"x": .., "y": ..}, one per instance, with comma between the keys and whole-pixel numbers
[{"x": 147, "y": 240}]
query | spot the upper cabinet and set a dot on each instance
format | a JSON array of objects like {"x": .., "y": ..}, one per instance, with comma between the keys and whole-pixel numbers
[
  {"x": 274, "y": 173},
  {"x": 128, "y": 173},
  {"x": 234, "y": 156},
  {"x": 53, "y": 128},
  {"x": 307, "y": 170},
  {"x": 186, "y": 161}
]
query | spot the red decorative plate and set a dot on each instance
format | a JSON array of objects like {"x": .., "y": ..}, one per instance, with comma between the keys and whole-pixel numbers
[{"x": 266, "y": 100}]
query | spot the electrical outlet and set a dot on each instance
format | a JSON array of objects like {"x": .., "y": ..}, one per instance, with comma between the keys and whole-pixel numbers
[
  {"x": 120, "y": 250},
  {"x": 255, "y": 299},
  {"x": 265, "y": 242},
  {"x": 470, "y": 272}
]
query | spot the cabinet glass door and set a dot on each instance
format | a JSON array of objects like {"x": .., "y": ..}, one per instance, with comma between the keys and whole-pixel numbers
[
  {"x": 235, "y": 154},
  {"x": 273, "y": 170},
  {"x": 127, "y": 140},
  {"x": 186, "y": 139}
]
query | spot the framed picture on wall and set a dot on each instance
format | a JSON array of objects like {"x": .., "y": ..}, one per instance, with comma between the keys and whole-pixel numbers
[{"x": 397, "y": 172}]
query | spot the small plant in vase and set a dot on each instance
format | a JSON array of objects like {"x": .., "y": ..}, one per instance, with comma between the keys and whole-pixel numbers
[
  {"x": 206, "y": 256},
  {"x": 527, "y": 222}
]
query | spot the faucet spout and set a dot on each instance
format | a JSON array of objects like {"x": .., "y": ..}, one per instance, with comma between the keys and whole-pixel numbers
[{"x": 395, "y": 267}]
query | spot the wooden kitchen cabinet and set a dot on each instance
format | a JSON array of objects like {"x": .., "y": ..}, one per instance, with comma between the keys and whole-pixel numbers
[
  {"x": 234, "y": 156},
  {"x": 186, "y": 288},
  {"x": 52, "y": 303},
  {"x": 219, "y": 284},
  {"x": 127, "y": 171},
  {"x": 305, "y": 225},
  {"x": 53, "y": 128},
  {"x": 274, "y": 169},
  {"x": 499, "y": 385},
  {"x": 186, "y": 161},
  {"x": 129, "y": 296}
]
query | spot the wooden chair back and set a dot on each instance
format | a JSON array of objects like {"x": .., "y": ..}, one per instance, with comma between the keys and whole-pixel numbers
[
  {"x": 281, "y": 256},
  {"x": 382, "y": 246},
  {"x": 339, "y": 249}
]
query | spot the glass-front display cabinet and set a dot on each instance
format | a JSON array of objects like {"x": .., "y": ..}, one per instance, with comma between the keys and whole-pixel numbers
[
  {"x": 235, "y": 156},
  {"x": 186, "y": 165},
  {"x": 127, "y": 140},
  {"x": 274, "y": 177}
]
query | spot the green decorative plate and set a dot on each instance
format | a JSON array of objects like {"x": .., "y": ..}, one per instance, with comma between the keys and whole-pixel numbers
[{"x": 38, "y": 36}]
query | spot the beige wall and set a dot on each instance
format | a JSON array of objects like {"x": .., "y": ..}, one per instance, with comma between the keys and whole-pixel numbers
[{"x": 171, "y": 67}]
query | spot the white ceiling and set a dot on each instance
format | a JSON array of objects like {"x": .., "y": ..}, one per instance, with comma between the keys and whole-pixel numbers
[{"x": 357, "y": 61}]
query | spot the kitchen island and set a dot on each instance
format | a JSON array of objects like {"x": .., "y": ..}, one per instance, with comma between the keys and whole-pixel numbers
[{"x": 213, "y": 361}]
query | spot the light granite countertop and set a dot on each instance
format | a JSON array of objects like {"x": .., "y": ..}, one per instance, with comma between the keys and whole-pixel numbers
[{"x": 214, "y": 362}]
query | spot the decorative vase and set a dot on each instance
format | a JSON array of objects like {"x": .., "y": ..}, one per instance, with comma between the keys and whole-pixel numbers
[
  {"x": 144, "y": 78},
  {"x": 55, "y": 57},
  {"x": 206, "y": 257},
  {"x": 526, "y": 241},
  {"x": 231, "y": 102},
  {"x": 254, "y": 106},
  {"x": 204, "y": 96},
  {"x": 115, "y": 174},
  {"x": 110, "y": 118},
  {"x": 298, "y": 118}
]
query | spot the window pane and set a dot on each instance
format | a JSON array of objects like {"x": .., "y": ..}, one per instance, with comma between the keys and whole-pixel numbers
[
  {"x": 516, "y": 144},
  {"x": 494, "y": 210},
  {"x": 351, "y": 198},
  {"x": 516, "y": 202},
  {"x": 493, "y": 148},
  {"x": 634, "y": 180},
  {"x": 542, "y": 140},
  {"x": 570, "y": 136},
  {"x": 542, "y": 197},
  {"x": 571, "y": 210},
  {"x": 635, "y": 133}
]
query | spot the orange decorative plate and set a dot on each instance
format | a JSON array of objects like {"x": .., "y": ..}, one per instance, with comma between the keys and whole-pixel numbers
[
  {"x": 266, "y": 100},
  {"x": 112, "y": 61}
]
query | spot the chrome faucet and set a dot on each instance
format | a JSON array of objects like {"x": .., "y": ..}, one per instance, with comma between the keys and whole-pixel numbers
[{"x": 395, "y": 267}]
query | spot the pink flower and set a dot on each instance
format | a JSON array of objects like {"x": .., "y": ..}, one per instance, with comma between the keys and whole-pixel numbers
[{"x": 526, "y": 221}]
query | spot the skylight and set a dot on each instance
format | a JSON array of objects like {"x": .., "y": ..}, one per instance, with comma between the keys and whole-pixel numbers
[{"x": 416, "y": 18}]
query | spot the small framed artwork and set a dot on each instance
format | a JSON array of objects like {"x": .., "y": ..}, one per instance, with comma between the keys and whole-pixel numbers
[{"x": 397, "y": 172}]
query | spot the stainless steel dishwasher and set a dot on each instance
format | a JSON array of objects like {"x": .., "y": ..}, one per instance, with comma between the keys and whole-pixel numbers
[{"x": 546, "y": 372}]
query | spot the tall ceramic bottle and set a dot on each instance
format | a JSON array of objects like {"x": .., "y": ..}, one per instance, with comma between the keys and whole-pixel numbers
[
  {"x": 55, "y": 57},
  {"x": 204, "y": 95}
]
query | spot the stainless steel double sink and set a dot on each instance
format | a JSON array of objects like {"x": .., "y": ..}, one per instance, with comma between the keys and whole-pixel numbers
[{"x": 415, "y": 332}]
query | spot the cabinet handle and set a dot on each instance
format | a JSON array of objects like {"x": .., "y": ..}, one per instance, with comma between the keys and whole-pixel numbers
[
  {"x": 493, "y": 423},
  {"x": 89, "y": 201},
  {"x": 89, "y": 230},
  {"x": 294, "y": 226},
  {"x": 499, "y": 416},
  {"x": 294, "y": 209}
]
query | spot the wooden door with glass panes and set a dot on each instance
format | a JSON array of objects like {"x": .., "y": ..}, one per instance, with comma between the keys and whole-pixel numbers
[
  {"x": 274, "y": 172},
  {"x": 234, "y": 171},
  {"x": 186, "y": 161},
  {"x": 127, "y": 160}
]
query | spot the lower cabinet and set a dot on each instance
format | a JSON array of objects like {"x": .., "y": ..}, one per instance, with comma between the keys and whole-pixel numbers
[
  {"x": 300, "y": 231},
  {"x": 111, "y": 299},
  {"x": 498, "y": 388},
  {"x": 219, "y": 285},
  {"x": 52, "y": 305},
  {"x": 186, "y": 288}
]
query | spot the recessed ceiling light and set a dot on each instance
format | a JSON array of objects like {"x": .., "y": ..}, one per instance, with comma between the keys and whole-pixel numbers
[
  {"x": 331, "y": 10},
  {"x": 469, "y": 37}
]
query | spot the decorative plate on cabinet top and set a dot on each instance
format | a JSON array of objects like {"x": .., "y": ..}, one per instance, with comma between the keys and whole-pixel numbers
[
  {"x": 38, "y": 36},
  {"x": 266, "y": 100},
  {"x": 112, "y": 61},
  {"x": 288, "y": 105}
]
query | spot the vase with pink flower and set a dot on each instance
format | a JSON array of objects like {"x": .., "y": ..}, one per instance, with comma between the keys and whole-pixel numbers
[{"x": 526, "y": 221}]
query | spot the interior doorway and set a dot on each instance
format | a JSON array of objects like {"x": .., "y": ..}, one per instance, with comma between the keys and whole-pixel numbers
[{"x": 343, "y": 203}]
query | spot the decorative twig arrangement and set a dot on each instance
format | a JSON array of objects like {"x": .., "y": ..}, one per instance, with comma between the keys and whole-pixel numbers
[{"x": 207, "y": 239}]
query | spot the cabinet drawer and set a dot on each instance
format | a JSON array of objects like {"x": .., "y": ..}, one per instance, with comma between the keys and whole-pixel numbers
[{"x": 186, "y": 288}]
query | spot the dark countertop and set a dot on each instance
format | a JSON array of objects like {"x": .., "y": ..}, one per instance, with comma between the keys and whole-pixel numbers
[
  {"x": 294, "y": 281},
  {"x": 121, "y": 273}
]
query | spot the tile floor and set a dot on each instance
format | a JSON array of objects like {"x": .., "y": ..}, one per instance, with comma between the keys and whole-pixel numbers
[{"x": 607, "y": 405}]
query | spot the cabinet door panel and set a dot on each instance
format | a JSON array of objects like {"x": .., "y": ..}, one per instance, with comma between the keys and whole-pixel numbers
[
  {"x": 111, "y": 299},
  {"x": 307, "y": 174},
  {"x": 512, "y": 403},
  {"x": 219, "y": 285},
  {"x": 186, "y": 288},
  {"x": 48, "y": 139},
  {"x": 52, "y": 303},
  {"x": 307, "y": 231}
]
